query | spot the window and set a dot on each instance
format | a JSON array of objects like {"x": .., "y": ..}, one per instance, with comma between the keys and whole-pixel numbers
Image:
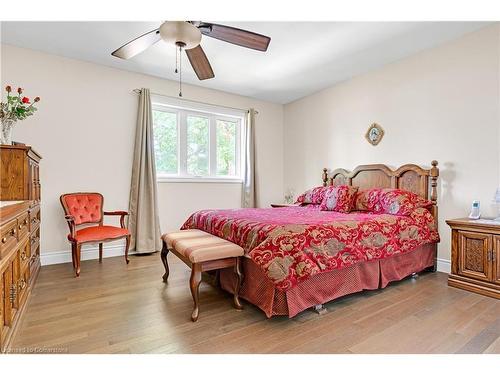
[{"x": 196, "y": 142}]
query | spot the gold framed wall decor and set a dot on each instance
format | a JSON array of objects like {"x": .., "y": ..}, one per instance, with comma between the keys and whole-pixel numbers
[{"x": 374, "y": 134}]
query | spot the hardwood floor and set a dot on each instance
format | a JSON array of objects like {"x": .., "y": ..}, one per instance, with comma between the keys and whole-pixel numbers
[{"x": 115, "y": 308}]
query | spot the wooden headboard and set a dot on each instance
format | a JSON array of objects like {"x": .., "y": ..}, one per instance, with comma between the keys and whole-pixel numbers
[{"x": 409, "y": 177}]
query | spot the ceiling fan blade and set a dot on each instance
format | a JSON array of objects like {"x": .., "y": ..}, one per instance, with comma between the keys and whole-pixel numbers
[
  {"x": 200, "y": 63},
  {"x": 236, "y": 36},
  {"x": 137, "y": 45}
]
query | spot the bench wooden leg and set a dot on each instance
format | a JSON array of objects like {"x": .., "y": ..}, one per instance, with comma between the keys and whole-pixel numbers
[
  {"x": 163, "y": 255},
  {"x": 239, "y": 279},
  {"x": 194, "y": 284}
]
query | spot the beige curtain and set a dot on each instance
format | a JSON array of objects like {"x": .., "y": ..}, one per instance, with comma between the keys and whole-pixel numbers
[
  {"x": 144, "y": 224},
  {"x": 248, "y": 194}
]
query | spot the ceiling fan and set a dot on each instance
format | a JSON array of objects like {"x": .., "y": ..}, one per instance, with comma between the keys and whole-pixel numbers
[{"x": 186, "y": 35}]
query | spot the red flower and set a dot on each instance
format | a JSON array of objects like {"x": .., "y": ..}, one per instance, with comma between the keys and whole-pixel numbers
[
  {"x": 37, "y": 99},
  {"x": 25, "y": 100},
  {"x": 8, "y": 88}
]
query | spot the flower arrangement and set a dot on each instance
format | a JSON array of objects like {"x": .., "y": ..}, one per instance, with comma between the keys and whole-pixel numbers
[{"x": 15, "y": 108}]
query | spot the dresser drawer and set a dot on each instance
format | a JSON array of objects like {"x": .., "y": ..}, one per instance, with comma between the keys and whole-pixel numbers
[
  {"x": 22, "y": 285},
  {"x": 8, "y": 237},
  {"x": 25, "y": 254},
  {"x": 23, "y": 227},
  {"x": 34, "y": 218},
  {"x": 34, "y": 244}
]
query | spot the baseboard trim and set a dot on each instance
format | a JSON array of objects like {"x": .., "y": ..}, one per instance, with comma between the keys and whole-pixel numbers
[
  {"x": 92, "y": 252},
  {"x": 89, "y": 252},
  {"x": 444, "y": 265}
]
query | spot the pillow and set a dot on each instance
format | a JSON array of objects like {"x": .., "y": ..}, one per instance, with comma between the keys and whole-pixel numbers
[
  {"x": 339, "y": 198},
  {"x": 312, "y": 196},
  {"x": 389, "y": 201},
  {"x": 368, "y": 200},
  {"x": 401, "y": 202}
]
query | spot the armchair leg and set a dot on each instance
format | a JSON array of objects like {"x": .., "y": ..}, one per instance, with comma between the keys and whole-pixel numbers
[
  {"x": 77, "y": 259},
  {"x": 127, "y": 245},
  {"x": 194, "y": 284},
  {"x": 100, "y": 252},
  {"x": 73, "y": 254}
]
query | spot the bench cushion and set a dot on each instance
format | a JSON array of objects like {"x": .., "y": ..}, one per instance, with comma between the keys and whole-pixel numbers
[{"x": 199, "y": 246}]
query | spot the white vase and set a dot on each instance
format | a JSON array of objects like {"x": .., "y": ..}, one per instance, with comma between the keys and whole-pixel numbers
[{"x": 6, "y": 131}]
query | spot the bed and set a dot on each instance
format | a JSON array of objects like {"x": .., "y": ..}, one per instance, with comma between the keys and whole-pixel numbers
[{"x": 300, "y": 257}]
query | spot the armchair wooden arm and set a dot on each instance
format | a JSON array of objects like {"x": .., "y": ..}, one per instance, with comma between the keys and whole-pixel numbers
[
  {"x": 118, "y": 213},
  {"x": 70, "y": 219}
]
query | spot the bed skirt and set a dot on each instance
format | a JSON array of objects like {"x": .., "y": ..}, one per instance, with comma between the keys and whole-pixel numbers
[{"x": 260, "y": 291}]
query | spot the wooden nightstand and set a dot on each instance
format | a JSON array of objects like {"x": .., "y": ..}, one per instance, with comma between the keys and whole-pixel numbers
[
  {"x": 475, "y": 256},
  {"x": 278, "y": 205}
]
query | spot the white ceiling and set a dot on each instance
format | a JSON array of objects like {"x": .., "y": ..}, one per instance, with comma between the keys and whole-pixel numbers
[{"x": 303, "y": 57}]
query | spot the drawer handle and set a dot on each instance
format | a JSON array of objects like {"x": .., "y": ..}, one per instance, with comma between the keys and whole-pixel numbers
[
  {"x": 4, "y": 239},
  {"x": 23, "y": 284},
  {"x": 23, "y": 256},
  {"x": 34, "y": 239},
  {"x": 13, "y": 232}
]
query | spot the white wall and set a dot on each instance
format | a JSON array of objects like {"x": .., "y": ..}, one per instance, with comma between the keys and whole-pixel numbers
[
  {"x": 85, "y": 128},
  {"x": 440, "y": 104}
]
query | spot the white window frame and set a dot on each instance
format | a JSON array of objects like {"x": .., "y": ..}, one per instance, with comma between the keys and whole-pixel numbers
[{"x": 183, "y": 109}]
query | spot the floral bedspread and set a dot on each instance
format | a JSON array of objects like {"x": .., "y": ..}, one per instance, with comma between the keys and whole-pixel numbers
[{"x": 292, "y": 244}]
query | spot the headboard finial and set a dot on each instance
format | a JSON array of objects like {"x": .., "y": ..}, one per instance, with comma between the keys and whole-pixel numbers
[
  {"x": 434, "y": 173},
  {"x": 325, "y": 176}
]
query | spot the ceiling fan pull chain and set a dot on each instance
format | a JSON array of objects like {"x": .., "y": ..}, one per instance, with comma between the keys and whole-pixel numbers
[
  {"x": 180, "y": 71},
  {"x": 176, "y": 61}
]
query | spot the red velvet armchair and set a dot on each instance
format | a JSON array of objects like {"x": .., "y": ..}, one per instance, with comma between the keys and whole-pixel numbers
[{"x": 85, "y": 209}]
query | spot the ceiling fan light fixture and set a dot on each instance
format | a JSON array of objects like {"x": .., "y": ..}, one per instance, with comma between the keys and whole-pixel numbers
[{"x": 180, "y": 33}]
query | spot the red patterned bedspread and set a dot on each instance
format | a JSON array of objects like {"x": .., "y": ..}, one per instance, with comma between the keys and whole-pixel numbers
[{"x": 292, "y": 244}]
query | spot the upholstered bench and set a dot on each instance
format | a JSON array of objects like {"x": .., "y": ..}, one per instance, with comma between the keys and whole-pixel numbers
[{"x": 202, "y": 252}]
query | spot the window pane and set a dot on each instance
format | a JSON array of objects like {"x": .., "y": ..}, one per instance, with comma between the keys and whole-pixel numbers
[
  {"x": 165, "y": 142},
  {"x": 197, "y": 146},
  {"x": 226, "y": 148}
]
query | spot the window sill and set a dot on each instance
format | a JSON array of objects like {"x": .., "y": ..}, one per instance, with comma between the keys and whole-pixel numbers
[{"x": 202, "y": 180}]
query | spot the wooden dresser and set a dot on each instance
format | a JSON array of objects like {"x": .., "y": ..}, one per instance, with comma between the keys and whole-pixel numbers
[
  {"x": 20, "y": 220},
  {"x": 475, "y": 256}
]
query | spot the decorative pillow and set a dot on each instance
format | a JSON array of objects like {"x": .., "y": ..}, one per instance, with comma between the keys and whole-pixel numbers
[
  {"x": 340, "y": 198},
  {"x": 401, "y": 202},
  {"x": 389, "y": 201},
  {"x": 368, "y": 200},
  {"x": 312, "y": 196}
]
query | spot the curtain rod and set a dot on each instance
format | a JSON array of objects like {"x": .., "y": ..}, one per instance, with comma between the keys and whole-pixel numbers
[{"x": 138, "y": 91}]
